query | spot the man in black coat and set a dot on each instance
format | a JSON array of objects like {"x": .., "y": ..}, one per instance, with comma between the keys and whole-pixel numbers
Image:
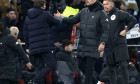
[
  {"x": 10, "y": 19},
  {"x": 94, "y": 31},
  {"x": 9, "y": 47},
  {"x": 116, "y": 47}
]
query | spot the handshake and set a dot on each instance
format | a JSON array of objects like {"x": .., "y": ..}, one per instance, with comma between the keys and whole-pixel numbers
[{"x": 58, "y": 14}]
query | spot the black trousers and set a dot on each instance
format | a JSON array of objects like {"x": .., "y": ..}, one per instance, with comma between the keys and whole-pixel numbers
[
  {"x": 2, "y": 81},
  {"x": 45, "y": 63},
  {"x": 125, "y": 74},
  {"x": 87, "y": 67}
]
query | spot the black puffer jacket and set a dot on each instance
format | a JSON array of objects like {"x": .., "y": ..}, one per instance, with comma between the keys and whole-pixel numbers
[
  {"x": 94, "y": 29},
  {"x": 9, "y": 48}
]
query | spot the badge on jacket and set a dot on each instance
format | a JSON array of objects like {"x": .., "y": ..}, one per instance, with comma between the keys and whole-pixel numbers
[
  {"x": 113, "y": 17},
  {"x": 0, "y": 43},
  {"x": 17, "y": 43}
]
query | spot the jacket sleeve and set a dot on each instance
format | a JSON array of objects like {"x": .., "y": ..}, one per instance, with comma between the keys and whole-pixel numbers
[
  {"x": 52, "y": 20},
  {"x": 128, "y": 19},
  {"x": 105, "y": 27},
  {"x": 59, "y": 56},
  {"x": 12, "y": 42},
  {"x": 72, "y": 20},
  {"x": 26, "y": 38}
]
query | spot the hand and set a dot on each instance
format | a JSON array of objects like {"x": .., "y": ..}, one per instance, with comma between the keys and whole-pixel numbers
[
  {"x": 56, "y": 15},
  {"x": 139, "y": 30},
  {"x": 101, "y": 47},
  {"x": 123, "y": 32},
  {"x": 29, "y": 65},
  {"x": 57, "y": 44},
  {"x": 132, "y": 66},
  {"x": 19, "y": 41},
  {"x": 78, "y": 25}
]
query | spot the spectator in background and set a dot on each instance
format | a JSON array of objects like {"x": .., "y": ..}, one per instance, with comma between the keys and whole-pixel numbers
[
  {"x": 70, "y": 10},
  {"x": 10, "y": 19},
  {"x": 120, "y": 5},
  {"x": 9, "y": 47},
  {"x": 39, "y": 40},
  {"x": 65, "y": 54},
  {"x": 25, "y": 7},
  {"x": 81, "y": 5}
]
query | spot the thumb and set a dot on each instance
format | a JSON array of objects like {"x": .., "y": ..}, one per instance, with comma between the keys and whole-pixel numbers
[{"x": 58, "y": 12}]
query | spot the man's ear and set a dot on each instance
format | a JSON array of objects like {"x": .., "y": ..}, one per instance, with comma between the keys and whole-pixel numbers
[{"x": 112, "y": 4}]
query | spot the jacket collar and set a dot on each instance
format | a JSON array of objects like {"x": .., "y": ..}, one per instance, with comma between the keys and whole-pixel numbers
[
  {"x": 95, "y": 7},
  {"x": 63, "y": 50},
  {"x": 112, "y": 11}
]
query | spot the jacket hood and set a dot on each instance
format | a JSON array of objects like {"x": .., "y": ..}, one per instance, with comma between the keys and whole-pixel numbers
[
  {"x": 96, "y": 6},
  {"x": 34, "y": 12}
]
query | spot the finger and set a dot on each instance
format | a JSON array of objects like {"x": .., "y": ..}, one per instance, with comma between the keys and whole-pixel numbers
[
  {"x": 30, "y": 67},
  {"x": 58, "y": 12}
]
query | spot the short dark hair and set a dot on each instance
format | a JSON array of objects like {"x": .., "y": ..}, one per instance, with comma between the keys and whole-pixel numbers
[
  {"x": 39, "y": 3},
  {"x": 66, "y": 43},
  {"x": 9, "y": 9},
  {"x": 68, "y": 2},
  {"x": 109, "y": 0},
  {"x": 2, "y": 27},
  {"x": 118, "y": 4}
]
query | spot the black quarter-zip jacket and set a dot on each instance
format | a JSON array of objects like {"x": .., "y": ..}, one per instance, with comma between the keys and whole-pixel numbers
[
  {"x": 117, "y": 21},
  {"x": 116, "y": 47},
  {"x": 94, "y": 29}
]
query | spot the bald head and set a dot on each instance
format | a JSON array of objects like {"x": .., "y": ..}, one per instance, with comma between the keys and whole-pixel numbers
[{"x": 14, "y": 31}]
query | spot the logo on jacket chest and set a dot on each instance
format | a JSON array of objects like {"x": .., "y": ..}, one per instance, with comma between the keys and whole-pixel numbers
[
  {"x": 0, "y": 43},
  {"x": 113, "y": 17},
  {"x": 92, "y": 17}
]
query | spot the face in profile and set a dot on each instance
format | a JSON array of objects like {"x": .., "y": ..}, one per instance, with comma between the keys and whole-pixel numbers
[
  {"x": 69, "y": 48},
  {"x": 107, "y": 5},
  {"x": 74, "y": 3},
  {"x": 122, "y": 6}
]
